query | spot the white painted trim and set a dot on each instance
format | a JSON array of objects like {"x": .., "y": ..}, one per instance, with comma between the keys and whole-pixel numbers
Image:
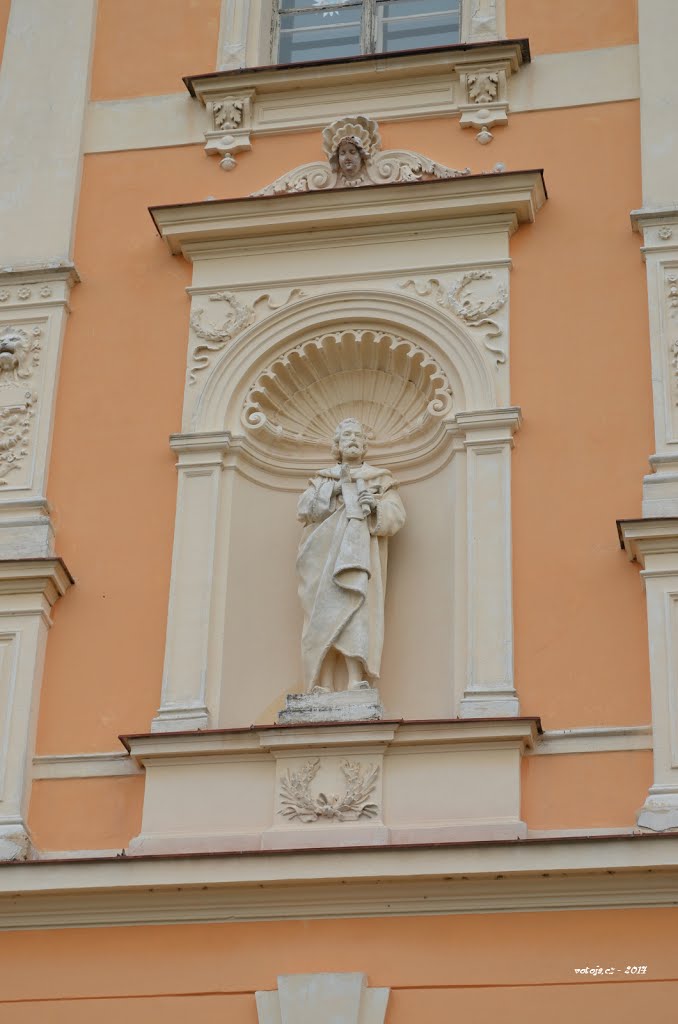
[
  {"x": 233, "y": 25},
  {"x": 554, "y": 741},
  {"x": 83, "y": 766},
  {"x": 472, "y": 878},
  {"x": 594, "y": 739},
  {"x": 549, "y": 82}
]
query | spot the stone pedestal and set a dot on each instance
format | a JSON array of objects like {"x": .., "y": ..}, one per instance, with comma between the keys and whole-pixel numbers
[
  {"x": 340, "y": 706},
  {"x": 332, "y": 785}
]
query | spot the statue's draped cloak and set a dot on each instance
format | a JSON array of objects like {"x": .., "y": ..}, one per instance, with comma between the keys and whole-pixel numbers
[{"x": 342, "y": 567}]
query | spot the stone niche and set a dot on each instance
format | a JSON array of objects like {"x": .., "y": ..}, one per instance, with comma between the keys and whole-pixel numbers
[{"x": 388, "y": 303}]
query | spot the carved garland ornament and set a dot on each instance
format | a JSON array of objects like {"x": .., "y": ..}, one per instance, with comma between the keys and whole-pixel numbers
[
  {"x": 15, "y": 429},
  {"x": 215, "y": 336},
  {"x": 475, "y": 313},
  {"x": 354, "y": 158},
  {"x": 389, "y": 383},
  {"x": 297, "y": 800},
  {"x": 672, "y": 294}
]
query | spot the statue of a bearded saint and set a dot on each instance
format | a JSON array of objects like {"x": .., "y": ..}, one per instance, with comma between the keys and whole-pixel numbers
[{"x": 349, "y": 511}]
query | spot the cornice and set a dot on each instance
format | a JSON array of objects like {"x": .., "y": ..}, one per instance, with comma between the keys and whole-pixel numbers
[
  {"x": 39, "y": 273},
  {"x": 598, "y": 872},
  {"x": 362, "y": 70},
  {"x": 641, "y": 538},
  {"x": 46, "y": 576},
  {"x": 503, "y": 199},
  {"x": 269, "y": 738}
]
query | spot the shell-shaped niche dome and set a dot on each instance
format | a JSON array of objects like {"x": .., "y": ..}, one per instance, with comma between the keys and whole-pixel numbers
[{"x": 389, "y": 383}]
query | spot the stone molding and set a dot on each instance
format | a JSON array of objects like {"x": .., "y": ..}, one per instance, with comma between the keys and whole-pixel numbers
[
  {"x": 310, "y": 998},
  {"x": 580, "y": 740},
  {"x": 29, "y": 587},
  {"x": 246, "y": 37},
  {"x": 468, "y": 80},
  {"x": 34, "y": 306},
  {"x": 444, "y": 292},
  {"x": 329, "y": 785},
  {"x": 554, "y": 81},
  {"x": 653, "y": 543},
  {"x": 601, "y": 872},
  {"x": 198, "y": 229},
  {"x": 659, "y": 229}
]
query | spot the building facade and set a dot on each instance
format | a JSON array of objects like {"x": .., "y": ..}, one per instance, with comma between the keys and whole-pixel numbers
[{"x": 226, "y": 229}]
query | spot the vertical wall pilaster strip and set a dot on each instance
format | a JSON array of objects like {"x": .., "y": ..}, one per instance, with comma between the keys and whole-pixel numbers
[
  {"x": 44, "y": 87},
  {"x": 658, "y": 223}
]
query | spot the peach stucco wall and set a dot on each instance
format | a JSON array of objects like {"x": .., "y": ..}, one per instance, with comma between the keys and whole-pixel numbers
[
  {"x": 469, "y": 967},
  {"x": 553, "y": 26},
  {"x": 593, "y": 790},
  {"x": 181, "y": 35},
  {"x": 578, "y": 316}
]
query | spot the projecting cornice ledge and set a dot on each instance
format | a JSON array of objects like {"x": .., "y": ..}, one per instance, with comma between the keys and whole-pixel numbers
[
  {"x": 649, "y": 539},
  {"x": 470, "y": 80},
  {"x": 504, "y": 200},
  {"x": 530, "y": 875}
]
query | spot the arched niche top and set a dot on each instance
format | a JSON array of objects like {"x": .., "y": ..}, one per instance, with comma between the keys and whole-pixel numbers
[
  {"x": 410, "y": 354},
  {"x": 395, "y": 388}
]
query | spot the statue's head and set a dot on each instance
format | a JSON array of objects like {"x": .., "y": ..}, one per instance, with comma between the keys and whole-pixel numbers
[
  {"x": 349, "y": 158},
  {"x": 350, "y": 441},
  {"x": 349, "y": 143}
]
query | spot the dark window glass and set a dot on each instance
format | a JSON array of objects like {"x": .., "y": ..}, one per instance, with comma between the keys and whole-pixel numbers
[{"x": 323, "y": 29}]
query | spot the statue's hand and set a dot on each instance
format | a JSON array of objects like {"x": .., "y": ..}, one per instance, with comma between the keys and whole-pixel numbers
[{"x": 368, "y": 501}]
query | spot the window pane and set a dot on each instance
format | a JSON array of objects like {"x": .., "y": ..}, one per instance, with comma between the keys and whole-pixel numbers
[
  {"x": 412, "y": 25},
  {"x": 310, "y": 37},
  {"x": 403, "y": 8},
  {"x": 327, "y": 7}
]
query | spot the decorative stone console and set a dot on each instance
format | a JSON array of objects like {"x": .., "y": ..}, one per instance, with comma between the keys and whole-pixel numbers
[{"x": 358, "y": 784}]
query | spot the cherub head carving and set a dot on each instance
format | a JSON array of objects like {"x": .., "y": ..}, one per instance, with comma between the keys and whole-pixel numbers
[{"x": 349, "y": 144}]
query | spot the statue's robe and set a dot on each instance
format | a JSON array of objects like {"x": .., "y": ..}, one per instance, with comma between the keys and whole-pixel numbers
[{"x": 342, "y": 567}]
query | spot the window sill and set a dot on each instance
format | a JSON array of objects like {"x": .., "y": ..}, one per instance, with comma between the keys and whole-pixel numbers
[{"x": 247, "y": 102}]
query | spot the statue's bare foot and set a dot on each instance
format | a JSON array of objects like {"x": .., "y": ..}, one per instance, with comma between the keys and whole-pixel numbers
[
  {"x": 321, "y": 689},
  {"x": 360, "y": 684}
]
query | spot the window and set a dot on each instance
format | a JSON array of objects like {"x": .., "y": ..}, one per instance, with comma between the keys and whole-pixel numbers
[{"x": 323, "y": 29}]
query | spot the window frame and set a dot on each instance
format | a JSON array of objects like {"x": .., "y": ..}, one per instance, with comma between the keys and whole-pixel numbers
[{"x": 368, "y": 32}]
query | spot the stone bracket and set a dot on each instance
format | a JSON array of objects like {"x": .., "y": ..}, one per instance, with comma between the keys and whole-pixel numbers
[{"x": 469, "y": 80}]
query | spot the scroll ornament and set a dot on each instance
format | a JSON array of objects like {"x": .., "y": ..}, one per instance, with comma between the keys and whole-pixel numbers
[
  {"x": 239, "y": 316},
  {"x": 474, "y": 312},
  {"x": 354, "y": 158},
  {"x": 297, "y": 800}
]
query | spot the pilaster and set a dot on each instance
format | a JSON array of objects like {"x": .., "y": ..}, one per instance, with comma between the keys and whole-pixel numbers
[
  {"x": 28, "y": 590},
  {"x": 653, "y": 543},
  {"x": 201, "y": 488},
  {"x": 488, "y": 440},
  {"x": 44, "y": 82}
]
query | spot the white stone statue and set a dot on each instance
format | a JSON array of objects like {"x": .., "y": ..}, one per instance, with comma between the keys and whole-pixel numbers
[{"x": 349, "y": 511}]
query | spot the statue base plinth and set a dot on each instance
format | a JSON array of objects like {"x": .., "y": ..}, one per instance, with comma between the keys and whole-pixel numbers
[{"x": 340, "y": 706}]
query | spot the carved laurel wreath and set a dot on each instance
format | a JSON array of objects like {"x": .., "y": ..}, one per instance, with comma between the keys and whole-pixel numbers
[{"x": 297, "y": 800}]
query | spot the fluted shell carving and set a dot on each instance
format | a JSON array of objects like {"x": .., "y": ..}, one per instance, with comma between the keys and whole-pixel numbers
[{"x": 389, "y": 383}]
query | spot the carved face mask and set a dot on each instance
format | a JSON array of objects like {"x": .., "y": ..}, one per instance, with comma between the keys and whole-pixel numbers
[{"x": 349, "y": 158}]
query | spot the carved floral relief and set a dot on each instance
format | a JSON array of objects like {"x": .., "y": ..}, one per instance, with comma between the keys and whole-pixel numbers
[
  {"x": 297, "y": 801},
  {"x": 475, "y": 311},
  {"x": 15, "y": 428},
  {"x": 238, "y": 315}
]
